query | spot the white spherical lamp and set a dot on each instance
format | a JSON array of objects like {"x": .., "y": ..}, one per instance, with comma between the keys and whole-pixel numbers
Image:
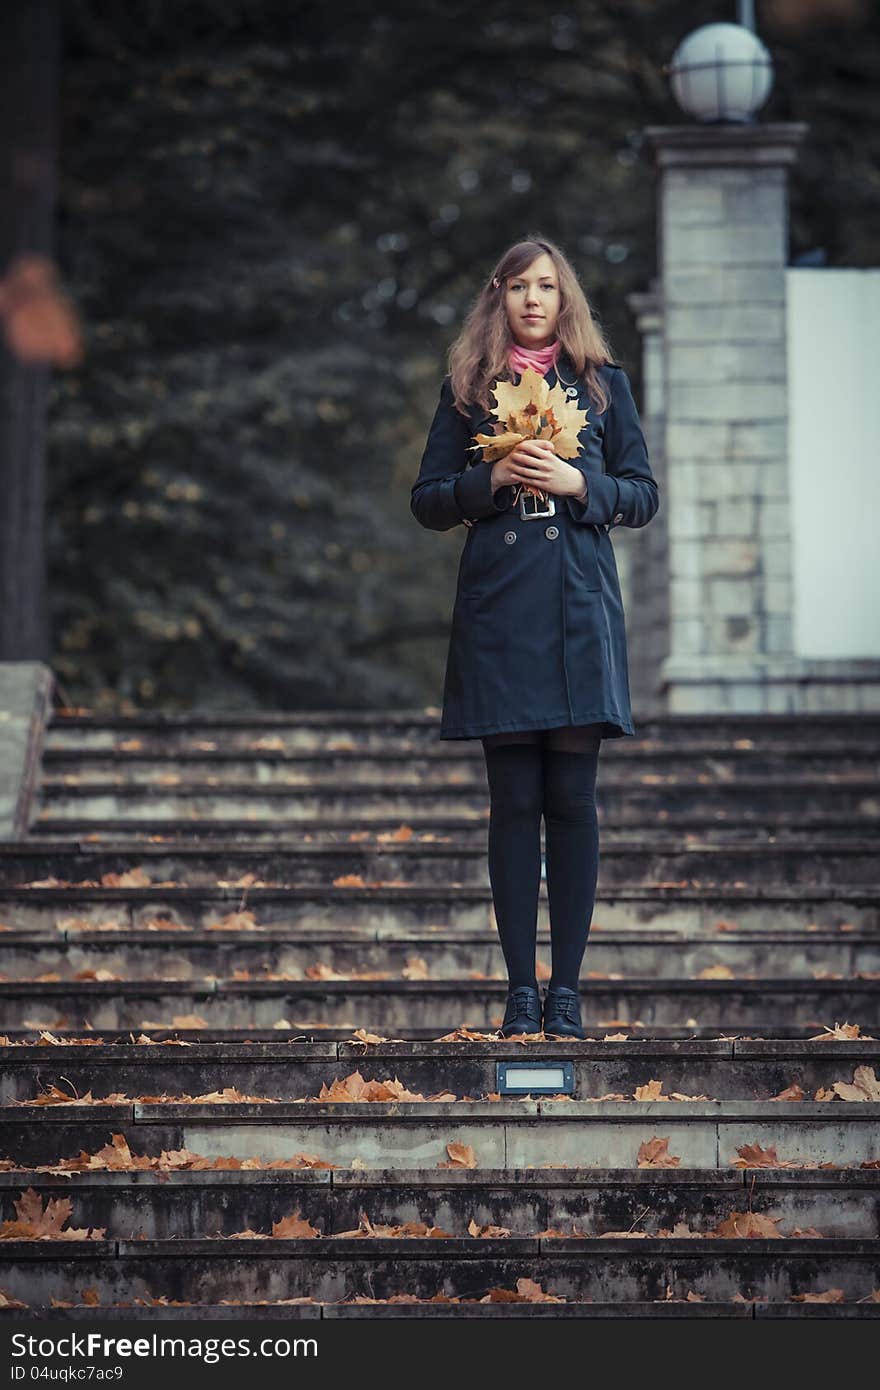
[{"x": 721, "y": 72}]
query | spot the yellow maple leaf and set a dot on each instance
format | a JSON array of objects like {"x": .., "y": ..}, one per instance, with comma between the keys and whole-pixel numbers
[
  {"x": 497, "y": 446},
  {"x": 532, "y": 409}
]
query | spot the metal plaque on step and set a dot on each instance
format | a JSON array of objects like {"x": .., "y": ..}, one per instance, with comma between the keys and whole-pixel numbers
[{"x": 534, "y": 1078}]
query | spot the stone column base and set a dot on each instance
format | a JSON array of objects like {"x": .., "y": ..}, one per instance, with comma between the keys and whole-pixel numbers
[
  {"x": 25, "y": 708},
  {"x": 773, "y": 685}
]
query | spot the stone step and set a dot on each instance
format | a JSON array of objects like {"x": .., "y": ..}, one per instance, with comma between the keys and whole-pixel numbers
[
  {"x": 746, "y": 843},
  {"x": 746, "y": 826},
  {"x": 192, "y": 1204},
  {"x": 398, "y": 762},
  {"x": 720, "y": 1068},
  {"x": 392, "y": 1003},
  {"x": 189, "y": 858},
  {"x": 310, "y": 728},
  {"x": 76, "y": 806},
  {"x": 206, "y": 1271},
  {"x": 37, "y": 1036},
  {"x": 662, "y": 1309},
  {"x": 638, "y": 858},
  {"x": 415, "y": 1134},
  {"x": 162, "y": 955},
  {"x": 394, "y": 910}
]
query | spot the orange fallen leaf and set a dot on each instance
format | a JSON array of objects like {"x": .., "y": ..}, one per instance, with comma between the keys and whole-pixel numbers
[
  {"x": 864, "y": 1086},
  {"x": 753, "y": 1156},
  {"x": 35, "y": 1223},
  {"x": 654, "y": 1153},
  {"x": 416, "y": 968},
  {"x": 749, "y": 1225},
  {"x": 294, "y": 1226},
  {"x": 840, "y": 1031},
  {"x": 527, "y": 1291},
  {"x": 487, "y": 1232},
  {"x": 652, "y": 1090},
  {"x": 460, "y": 1156},
  {"x": 792, "y": 1092}
]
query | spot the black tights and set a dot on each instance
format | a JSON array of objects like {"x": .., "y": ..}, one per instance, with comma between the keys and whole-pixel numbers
[{"x": 530, "y": 773}]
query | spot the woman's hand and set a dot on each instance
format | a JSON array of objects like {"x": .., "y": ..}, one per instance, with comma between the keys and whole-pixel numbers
[{"x": 536, "y": 462}]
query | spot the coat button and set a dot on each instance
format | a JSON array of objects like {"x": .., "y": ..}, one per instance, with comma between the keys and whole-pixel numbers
[
  {"x": 510, "y": 537},
  {"x": 619, "y": 517},
  {"x": 551, "y": 533}
]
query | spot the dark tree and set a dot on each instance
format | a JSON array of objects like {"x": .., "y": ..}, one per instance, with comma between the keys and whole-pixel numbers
[{"x": 29, "y": 73}]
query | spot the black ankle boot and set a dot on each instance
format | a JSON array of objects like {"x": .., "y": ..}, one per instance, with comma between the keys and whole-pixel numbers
[
  {"x": 562, "y": 1013},
  {"x": 523, "y": 1012}
]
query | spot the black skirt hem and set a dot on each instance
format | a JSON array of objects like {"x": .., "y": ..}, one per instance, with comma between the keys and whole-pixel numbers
[{"x": 612, "y": 728}]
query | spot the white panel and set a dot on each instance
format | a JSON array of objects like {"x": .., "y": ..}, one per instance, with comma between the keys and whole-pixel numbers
[
  {"x": 535, "y": 1076},
  {"x": 833, "y": 333}
]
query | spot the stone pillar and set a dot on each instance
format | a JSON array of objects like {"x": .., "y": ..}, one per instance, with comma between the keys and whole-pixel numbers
[
  {"x": 722, "y": 255},
  {"x": 642, "y": 556},
  {"x": 26, "y": 689}
]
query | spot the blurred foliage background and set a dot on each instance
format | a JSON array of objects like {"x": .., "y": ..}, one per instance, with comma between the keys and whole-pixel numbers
[{"x": 272, "y": 217}]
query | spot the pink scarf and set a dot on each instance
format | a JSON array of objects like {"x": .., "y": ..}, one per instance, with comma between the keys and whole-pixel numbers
[{"x": 539, "y": 359}]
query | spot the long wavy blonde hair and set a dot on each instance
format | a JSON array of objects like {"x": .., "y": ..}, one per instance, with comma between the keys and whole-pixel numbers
[{"x": 478, "y": 357}]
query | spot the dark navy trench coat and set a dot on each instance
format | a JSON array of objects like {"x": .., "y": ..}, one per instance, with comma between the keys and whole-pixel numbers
[{"x": 538, "y": 636}]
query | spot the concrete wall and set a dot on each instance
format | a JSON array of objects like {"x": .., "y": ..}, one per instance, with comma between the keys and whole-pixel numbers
[{"x": 834, "y": 460}]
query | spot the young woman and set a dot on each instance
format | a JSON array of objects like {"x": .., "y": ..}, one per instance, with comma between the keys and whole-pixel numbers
[{"x": 537, "y": 661}]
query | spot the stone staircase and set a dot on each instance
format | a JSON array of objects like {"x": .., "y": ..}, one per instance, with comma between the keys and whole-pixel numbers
[{"x": 250, "y": 975}]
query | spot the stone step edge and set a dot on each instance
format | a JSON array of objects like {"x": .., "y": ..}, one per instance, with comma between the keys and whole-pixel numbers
[
  {"x": 392, "y": 984},
  {"x": 419, "y": 1112},
  {"x": 169, "y": 1035},
  {"x": 274, "y": 827},
  {"x": 111, "y": 767},
  {"x": 353, "y": 1050},
  {"x": 416, "y": 715},
  {"x": 427, "y": 1179},
  {"x": 52, "y": 786},
  {"x": 445, "y": 820},
  {"x": 806, "y": 895},
  {"x": 451, "y": 849},
  {"x": 415, "y": 1247},
  {"x": 425, "y": 936},
  {"x": 634, "y": 748},
  {"x": 318, "y": 1311}
]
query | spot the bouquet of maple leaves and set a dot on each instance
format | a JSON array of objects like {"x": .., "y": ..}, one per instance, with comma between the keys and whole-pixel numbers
[{"x": 531, "y": 409}]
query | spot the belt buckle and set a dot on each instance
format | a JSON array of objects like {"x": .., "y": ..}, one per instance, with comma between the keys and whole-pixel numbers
[{"x": 534, "y": 512}]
